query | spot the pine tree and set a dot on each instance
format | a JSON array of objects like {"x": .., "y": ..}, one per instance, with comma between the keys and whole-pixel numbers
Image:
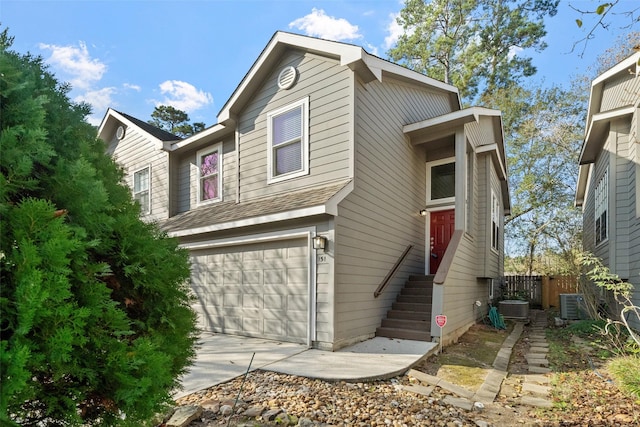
[{"x": 96, "y": 325}]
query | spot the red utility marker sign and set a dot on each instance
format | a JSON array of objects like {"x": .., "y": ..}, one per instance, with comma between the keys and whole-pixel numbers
[{"x": 441, "y": 320}]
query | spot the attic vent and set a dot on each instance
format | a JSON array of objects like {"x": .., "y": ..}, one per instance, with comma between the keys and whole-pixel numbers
[
  {"x": 287, "y": 77},
  {"x": 120, "y": 132}
]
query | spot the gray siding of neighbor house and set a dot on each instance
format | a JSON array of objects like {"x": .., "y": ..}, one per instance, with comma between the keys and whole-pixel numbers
[
  {"x": 381, "y": 216},
  {"x": 186, "y": 181},
  {"x": 134, "y": 152},
  {"x": 327, "y": 86}
]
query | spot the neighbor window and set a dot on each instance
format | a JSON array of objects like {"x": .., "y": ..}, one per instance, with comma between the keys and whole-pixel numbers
[
  {"x": 495, "y": 220},
  {"x": 288, "y": 139},
  {"x": 602, "y": 208},
  {"x": 209, "y": 174},
  {"x": 141, "y": 193}
]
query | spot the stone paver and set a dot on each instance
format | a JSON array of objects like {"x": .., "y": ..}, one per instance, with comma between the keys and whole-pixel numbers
[{"x": 535, "y": 386}]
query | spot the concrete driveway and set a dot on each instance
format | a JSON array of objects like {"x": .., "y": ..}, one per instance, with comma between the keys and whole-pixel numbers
[{"x": 221, "y": 358}]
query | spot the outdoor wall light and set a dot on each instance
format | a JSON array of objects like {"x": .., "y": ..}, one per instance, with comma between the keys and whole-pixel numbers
[
  {"x": 319, "y": 242},
  {"x": 423, "y": 212}
]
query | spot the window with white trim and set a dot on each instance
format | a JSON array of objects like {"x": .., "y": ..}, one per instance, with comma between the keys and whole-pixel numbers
[
  {"x": 469, "y": 189},
  {"x": 495, "y": 221},
  {"x": 602, "y": 208},
  {"x": 441, "y": 181},
  {"x": 288, "y": 141},
  {"x": 210, "y": 174},
  {"x": 141, "y": 189}
]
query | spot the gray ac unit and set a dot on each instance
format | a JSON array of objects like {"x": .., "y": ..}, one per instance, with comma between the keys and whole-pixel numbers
[{"x": 571, "y": 306}]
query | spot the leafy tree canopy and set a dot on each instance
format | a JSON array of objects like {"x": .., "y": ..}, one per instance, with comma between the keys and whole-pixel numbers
[
  {"x": 175, "y": 121},
  {"x": 96, "y": 321},
  {"x": 472, "y": 44}
]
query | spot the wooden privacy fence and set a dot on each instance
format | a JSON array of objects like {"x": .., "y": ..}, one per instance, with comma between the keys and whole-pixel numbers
[{"x": 543, "y": 291}]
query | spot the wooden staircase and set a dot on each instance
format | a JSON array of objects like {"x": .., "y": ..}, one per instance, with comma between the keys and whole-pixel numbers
[{"x": 410, "y": 316}]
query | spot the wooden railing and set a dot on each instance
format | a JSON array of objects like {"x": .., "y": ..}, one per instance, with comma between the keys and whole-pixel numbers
[
  {"x": 392, "y": 272},
  {"x": 447, "y": 259}
]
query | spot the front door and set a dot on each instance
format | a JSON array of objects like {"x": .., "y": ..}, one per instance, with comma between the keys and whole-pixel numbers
[{"x": 442, "y": 227}]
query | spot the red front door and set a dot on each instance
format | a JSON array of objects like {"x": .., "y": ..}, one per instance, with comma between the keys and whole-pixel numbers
[{"x": 442, "y": 226}]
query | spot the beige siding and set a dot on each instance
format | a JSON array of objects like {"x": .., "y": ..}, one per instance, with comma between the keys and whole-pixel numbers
[
  {"x": 136, "y": 151},
  {"x": 461, "y": 290},
  {"x": 326, "y": 84},
  {"x": 381, "y": 216},
  {"x": 187, "y": 176},
  {"x": 620, "y": 92}
]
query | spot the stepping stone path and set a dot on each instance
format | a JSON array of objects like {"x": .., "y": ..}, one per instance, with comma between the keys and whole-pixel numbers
[{"x": 535, "y": 388}]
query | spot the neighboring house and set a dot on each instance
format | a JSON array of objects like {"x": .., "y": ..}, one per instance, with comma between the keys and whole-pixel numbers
[
  {"x": 322, "y": 139},
  {"x": 609, "y": 178}
]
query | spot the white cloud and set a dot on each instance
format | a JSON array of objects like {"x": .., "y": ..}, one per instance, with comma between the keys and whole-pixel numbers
[
  {"x": 318, "y": 24},
  {"x": 132, "y": 87},
  {"x": 100, "y": 100},
  {"x": 75, "y": 64},
  {"x": 394, "y": 31},
  {"x": 183, "y": 96}
]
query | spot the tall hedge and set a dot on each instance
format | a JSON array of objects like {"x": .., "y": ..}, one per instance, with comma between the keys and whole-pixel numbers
[{"x": 96, "y": 325}]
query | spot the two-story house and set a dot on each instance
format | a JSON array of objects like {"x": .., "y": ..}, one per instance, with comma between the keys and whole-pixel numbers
[
  {"x": 609, "y": 177},
  {"x": 338, "y": 196}
]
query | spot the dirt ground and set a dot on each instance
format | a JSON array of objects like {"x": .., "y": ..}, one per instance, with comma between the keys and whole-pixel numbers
[{"x": 583, "y": 392}]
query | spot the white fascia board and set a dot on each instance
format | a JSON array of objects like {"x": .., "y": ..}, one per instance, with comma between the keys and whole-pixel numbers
[
  {"x": 209, "y": 132},
  {"x": 495, "y": 151},
  {"x": 111, "y": 113},
  {"x": 253, "y": 238},
  {"x": 583, "y": 180},
  {"x": 597, "y": 85},
  {"x": 332, "y": 204},
  {"x": 452, "y": 119},
  {"x": 282, "y": 216},
  {"x": 596, "y": 126}
]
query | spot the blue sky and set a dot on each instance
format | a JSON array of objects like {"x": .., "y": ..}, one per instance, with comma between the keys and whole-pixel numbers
[{"x": 134, "y": 55}]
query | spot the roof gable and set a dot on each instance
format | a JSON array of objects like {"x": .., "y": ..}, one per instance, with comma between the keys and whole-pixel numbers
[
  {"x": 112, "y": 118},
  {"x": 367, "y": 66}
]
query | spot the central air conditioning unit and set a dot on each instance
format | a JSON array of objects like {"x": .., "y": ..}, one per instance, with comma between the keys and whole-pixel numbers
[{"x": 571, "y": 306}]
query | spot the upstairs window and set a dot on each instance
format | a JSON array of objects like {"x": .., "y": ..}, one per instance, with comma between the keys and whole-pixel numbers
[
  {"x": 209, "y": 174},
  {"x": 495, "y": 221},
  {"x": 141, "y": 187},
  {"x": 602, "y": 208},
  {"x": 441, "y": 181},
  {"x": 288, "y": 139}
]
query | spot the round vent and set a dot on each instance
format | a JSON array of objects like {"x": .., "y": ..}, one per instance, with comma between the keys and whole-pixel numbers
[
  {"x": 120, "y": 132},
  {"x": 287, "y": 77}
]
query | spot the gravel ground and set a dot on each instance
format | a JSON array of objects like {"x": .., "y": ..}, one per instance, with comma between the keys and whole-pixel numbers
[{"x": 583, "y": 394}]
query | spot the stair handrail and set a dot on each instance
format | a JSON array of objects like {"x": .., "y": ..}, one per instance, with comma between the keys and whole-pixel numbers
[
  {"x": 447, "y": 259},
  {"x": 391, "y": 272}
]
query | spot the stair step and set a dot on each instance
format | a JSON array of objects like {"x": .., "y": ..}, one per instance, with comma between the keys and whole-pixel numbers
[
  {"x": 403, "y": 334},
  {"x": 418, "y": 284},
  {"x": 416, "y": 291},
  {"x": 421, "y": 278},
  {"x": 414, "y": 299},
  {"x": 424, "y": 308},
  {"x": 409, "y": 315},
  {"x": 416, "y": 325}
]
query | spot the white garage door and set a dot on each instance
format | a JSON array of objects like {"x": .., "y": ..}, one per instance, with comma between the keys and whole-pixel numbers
[{"x": 259, "y": 290}]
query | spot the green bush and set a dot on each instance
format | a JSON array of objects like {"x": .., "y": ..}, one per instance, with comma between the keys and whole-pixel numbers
[
  {"x": 626, "y": 371},
  {"x": 96, "y": 325}
]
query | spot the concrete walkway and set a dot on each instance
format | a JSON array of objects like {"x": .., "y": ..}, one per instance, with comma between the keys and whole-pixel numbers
[
  {"x": 535, "y": 388},
  {"x": 221, "y": 358}
]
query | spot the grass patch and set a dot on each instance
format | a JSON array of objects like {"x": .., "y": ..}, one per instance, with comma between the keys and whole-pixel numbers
[
  {"x": 465, "y": 376},
  {"x": 626, "y": 371}
]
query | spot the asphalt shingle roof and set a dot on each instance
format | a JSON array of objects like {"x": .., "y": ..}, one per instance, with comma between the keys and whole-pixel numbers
[
  {"x": 161, "y": 134},
  {"x": 231, "y": 211}
]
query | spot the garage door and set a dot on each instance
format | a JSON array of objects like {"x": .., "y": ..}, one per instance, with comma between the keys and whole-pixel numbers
[{"x": 259, "y": 290}]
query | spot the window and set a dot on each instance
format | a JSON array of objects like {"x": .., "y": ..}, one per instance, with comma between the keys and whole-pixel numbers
[
  {"x": 141, "y": 193},
  {"x": 602, "y": 208},
  {"x": 441, "y": 181},
  {"x": 288, "y": 139},
  {"x": 495, "y": 221},
  {"x": 209, "y": 178}
]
